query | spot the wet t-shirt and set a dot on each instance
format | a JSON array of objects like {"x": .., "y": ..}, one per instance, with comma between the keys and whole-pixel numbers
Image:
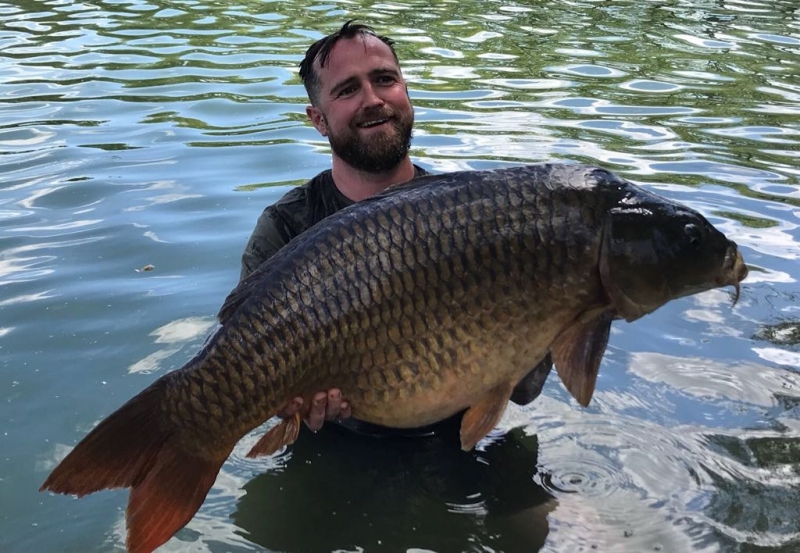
[{"x": 300, "y": 209}]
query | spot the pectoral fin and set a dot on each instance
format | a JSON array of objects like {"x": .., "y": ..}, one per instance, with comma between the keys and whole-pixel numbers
[
  {"x": 577, "y": 353},
  {"x": 284, "y": 433},
  {"x": 484, "y": 415}
]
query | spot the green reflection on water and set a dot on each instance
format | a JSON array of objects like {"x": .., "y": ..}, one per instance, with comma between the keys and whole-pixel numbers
[
  {"x": 767, "y": 513},
  {"x": 747, "y": 220},
  {"x": 782, "y": 333}
]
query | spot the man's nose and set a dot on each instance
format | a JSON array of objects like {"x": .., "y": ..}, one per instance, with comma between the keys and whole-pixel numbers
[{"x": 371, "y": 96}]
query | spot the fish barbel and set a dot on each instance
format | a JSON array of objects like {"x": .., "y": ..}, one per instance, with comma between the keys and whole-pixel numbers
[{"x": 432, "y": 298}]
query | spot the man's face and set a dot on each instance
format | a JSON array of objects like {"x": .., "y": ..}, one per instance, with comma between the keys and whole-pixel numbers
[{"x": 363, "y": 106}]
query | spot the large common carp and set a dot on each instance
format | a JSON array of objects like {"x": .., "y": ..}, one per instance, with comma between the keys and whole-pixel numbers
[{"x": 434, "y": 297}]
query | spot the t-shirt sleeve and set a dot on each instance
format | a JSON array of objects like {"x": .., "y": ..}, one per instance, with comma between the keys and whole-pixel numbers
[{"x": 268, "y": 237}]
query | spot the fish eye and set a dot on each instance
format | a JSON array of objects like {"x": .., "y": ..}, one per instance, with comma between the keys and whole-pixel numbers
[{"x": 693, "y": 234}]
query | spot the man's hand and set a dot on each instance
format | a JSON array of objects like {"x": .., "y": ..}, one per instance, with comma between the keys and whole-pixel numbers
[{"x": 324, "y": 406}]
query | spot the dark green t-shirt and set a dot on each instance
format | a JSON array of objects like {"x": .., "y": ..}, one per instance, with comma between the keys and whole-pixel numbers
[{"x": 298, "y": 210}]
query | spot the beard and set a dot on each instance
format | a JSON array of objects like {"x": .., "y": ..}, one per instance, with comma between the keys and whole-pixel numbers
[{"x": 380, "y": 153}]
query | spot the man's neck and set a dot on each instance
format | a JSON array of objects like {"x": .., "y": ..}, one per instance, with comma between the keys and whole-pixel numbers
[{"x": 357, "y": 185}]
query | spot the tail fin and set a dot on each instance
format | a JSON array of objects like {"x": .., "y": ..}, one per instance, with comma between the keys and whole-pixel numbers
[
  {"x": 137, "y": 447},
  {"x": 169, "y": 496}
]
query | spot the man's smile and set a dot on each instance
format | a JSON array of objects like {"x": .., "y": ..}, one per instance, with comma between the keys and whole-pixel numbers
[{"x": 373, "y": 123}]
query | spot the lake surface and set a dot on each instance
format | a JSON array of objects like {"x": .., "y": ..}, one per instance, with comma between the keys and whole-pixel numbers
[{"x": 137, "y": 133}]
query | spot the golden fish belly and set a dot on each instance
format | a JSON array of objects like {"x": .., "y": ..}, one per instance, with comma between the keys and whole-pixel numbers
[{"x": 445, "y": 372}]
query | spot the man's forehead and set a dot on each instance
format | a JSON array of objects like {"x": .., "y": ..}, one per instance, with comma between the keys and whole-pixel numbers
[{"x": 359, "y": 43}]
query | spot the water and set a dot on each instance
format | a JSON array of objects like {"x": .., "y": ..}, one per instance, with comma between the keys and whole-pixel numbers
[{"x": 138, "y": 133}]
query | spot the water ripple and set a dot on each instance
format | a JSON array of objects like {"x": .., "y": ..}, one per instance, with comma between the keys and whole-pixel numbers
[{"x": 619, "y": 487}]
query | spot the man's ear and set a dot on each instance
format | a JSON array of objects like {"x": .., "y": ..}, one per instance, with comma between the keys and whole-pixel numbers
[{"x": 317, "y": 119}]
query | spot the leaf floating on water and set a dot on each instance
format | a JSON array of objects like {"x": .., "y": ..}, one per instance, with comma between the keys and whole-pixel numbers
[{"x": 146, "y": 268}]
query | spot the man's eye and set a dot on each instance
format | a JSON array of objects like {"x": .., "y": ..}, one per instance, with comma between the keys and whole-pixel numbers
[
  {"x": 386, "y": 79},
  {"x": 346, "y": 91}
]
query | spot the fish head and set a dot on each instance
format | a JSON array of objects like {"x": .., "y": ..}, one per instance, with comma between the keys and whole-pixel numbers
[{"x": 654, "y": 250}]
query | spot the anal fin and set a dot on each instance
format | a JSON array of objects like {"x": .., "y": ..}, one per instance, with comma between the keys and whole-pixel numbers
[
  {"x": 479, "y": 419},
  {"x": 284, "y": 433}
]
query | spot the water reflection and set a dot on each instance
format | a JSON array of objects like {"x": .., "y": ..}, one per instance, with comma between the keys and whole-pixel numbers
[
  {"x": 757, "y": 467},
  {"x": 747, "y": 385},
  {"x": 175, "y": 335},
  {"x": 398, "y": 494},
  {"x": 784, "y": 333}
]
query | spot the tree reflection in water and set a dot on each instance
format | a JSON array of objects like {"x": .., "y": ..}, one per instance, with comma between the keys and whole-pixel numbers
[{"x": 784, "y": 333}]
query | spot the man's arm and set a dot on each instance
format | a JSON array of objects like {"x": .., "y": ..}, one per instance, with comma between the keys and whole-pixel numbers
[{"x": 269, "y": 235}]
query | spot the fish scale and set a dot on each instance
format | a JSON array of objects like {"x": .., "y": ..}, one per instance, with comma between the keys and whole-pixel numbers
[
  {"x": 402, "y": 231},
  {"x": 433, "y": 298}
]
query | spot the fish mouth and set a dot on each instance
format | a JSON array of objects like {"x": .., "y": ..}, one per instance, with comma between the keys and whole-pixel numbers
[{"x": 734, "y": 270}]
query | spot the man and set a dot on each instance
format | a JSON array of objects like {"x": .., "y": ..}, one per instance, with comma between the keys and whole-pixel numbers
[{"x": 359, "y": 101}]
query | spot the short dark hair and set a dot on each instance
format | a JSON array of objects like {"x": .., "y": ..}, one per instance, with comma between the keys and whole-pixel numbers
[{"x": 321, "y": 50}]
